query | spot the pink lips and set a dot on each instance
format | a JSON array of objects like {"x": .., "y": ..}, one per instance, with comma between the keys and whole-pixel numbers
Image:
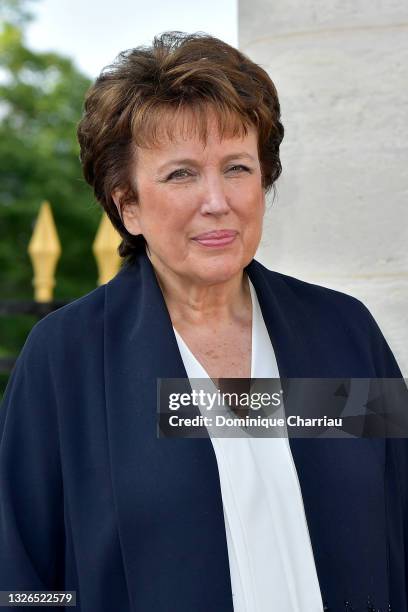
[{"x": 216, "y": 238}]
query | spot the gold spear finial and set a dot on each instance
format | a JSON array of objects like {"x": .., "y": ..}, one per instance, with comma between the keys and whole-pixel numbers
[
  {"x": 44, "y": 249},
  {"x": 105, "y": 250}
]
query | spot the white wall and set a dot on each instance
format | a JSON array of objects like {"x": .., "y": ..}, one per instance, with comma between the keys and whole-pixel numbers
[{"x": 341, "y": 215}]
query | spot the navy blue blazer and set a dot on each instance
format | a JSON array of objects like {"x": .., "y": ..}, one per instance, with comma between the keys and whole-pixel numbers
[{"x": 92, "y": 501}]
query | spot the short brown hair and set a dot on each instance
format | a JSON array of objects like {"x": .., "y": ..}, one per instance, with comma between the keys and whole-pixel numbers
[{"x": 130, "y": 99}]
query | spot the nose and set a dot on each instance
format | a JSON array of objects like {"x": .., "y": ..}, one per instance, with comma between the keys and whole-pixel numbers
[{"x": 214, "y": 197}]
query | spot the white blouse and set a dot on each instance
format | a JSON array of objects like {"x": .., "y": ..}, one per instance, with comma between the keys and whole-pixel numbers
[{"x": 270, "y": 554}]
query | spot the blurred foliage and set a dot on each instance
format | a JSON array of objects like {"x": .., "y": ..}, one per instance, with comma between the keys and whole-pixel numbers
[
  {"x": 41, "y": 97},
  {"x": 16, "y": 11}
]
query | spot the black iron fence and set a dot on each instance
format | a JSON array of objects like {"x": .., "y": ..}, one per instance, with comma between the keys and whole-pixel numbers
[{"x": 44, "y": 250}]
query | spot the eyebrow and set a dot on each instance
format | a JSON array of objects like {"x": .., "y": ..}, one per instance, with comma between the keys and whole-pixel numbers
[{"x": 191, "y": 161}]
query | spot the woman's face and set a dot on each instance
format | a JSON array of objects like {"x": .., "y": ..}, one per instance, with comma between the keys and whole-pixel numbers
[{"x": 186, "y": 191}]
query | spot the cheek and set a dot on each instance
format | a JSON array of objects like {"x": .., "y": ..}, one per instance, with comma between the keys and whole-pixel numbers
[
  {"x": 157, "y": 210},
  {"x": 253, "y": 208},
  {"x": 167, "y": 221}
]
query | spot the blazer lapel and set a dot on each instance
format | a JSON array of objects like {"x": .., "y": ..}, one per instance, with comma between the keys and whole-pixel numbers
[
  {"x": 167, "y": 491},
  {"x": 342, "y": 480}
]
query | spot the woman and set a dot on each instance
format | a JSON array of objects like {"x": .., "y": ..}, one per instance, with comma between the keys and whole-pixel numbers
[{"x": 180, "y": 143}]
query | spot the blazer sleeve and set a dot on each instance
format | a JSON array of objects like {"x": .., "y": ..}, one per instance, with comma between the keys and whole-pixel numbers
[
  {"x": 362, "y": 327},
  {"x": 387, "y": 367},
  {"x": 31, "y": 492},
  {"x": 386, "y": 364}
]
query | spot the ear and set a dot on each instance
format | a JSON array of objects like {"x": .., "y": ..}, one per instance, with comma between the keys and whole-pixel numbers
[{"x": 128, "y": 212}]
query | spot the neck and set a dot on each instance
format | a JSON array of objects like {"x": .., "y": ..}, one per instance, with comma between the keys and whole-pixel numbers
[{"x": 191, "y": 303}]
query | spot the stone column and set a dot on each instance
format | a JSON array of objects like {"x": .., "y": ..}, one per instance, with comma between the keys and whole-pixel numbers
[{"x": 340, "y": 218}]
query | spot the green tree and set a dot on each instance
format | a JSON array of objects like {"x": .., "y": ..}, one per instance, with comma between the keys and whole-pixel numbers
[{"x": 41, "y": 97}]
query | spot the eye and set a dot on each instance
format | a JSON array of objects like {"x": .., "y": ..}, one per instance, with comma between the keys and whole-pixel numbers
[
  {"x": 240, "y": 167},
  {"x": 180, "y": 173}
]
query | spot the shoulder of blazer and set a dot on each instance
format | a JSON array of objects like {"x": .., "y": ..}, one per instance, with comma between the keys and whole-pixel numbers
[
  {"x": 80, "y": 313},
  {"x": 59, "y": 335},
  {"x": 320, "y": 309},
  {"x": 83, "y": 314},
  {"x": 78, "y": 324},
  {"x": 326, "y": 310},
  {"x": 315, "y": 300}
]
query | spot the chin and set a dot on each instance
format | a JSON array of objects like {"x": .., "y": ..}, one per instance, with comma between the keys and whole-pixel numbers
[{"x": 219, "y": 270}]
